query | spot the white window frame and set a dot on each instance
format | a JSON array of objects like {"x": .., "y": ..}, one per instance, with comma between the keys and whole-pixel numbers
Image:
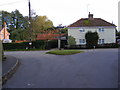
[
  {"x": 82, "y": 41},
  {"x": 82, "y": 30},
  {"x": 101, "y": 41},
  {"x": 101, "y": 29}
]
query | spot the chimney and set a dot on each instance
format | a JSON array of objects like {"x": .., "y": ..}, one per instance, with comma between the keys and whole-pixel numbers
[
  {"x": 5, "y": 24},
  {"x": 90, "y": 16}
]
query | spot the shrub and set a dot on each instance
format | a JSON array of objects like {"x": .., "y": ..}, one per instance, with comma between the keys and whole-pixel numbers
[
  {"x": 71, "y": 40},
  {"x": 91, "y": 39},
  {"x": 39, "y": 44}
]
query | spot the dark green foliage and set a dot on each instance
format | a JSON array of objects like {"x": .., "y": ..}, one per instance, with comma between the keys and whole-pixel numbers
[
  {"x": 91, "y": 39},
  {"x": 52, "y": 44},
  {"x": 17, "y": 25},
  {"x": 71, "y": 40},
  {"x": 40, "y": 44},
  {"x": 108, "y": 45},
  {"x": 9, "y": 46}
]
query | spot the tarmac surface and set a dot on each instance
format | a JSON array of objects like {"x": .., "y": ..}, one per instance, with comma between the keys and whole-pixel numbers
[
  {"x": 8, "y": 64},
  {"x": 91, "y": 69}
]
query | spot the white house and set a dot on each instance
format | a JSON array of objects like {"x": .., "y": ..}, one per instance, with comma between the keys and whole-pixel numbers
[{"x": 105, "y": 30}]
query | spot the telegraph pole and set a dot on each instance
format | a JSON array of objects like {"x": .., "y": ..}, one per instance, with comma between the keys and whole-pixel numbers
[
  {"x": 30, "y": 20},
  {"x": 30, "y": 30}
]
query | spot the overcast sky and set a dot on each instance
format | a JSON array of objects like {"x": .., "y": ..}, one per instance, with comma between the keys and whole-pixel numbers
[{"x": 66, "y": 12}]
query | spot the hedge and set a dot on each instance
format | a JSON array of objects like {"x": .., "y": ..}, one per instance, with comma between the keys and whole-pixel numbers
[
  {"x": 108, "y": 45},
  {"x": 35, "y": 44},
  {"x": 39, "y": 44}
]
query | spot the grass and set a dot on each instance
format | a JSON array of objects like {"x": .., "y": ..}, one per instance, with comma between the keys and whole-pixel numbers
[{"x": 64, "y": 52}]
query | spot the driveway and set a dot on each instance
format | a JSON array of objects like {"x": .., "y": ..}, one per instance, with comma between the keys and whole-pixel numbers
[{"x": 92, "y": 69}]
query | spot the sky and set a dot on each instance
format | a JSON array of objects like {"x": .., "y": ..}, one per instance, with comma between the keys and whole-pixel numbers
[{"x": 66, "y": 12}]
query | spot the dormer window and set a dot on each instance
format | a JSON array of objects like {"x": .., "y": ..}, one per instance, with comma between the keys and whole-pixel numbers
[{"x": 101, "y": 29}]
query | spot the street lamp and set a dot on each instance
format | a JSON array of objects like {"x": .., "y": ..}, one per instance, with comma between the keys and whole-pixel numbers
[{"x": 59, "y": 38}]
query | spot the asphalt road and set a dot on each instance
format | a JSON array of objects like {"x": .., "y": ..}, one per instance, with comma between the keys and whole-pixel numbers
[{"x": 92, "y": 69}]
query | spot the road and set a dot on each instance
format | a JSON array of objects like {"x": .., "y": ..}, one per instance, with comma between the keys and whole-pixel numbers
[{"x": 91, "y": 69}]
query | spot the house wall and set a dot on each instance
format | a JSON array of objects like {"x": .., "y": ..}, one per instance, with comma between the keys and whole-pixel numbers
[
  {"x": 108, "y": 35},
  {"x": 4, "y": 30}
]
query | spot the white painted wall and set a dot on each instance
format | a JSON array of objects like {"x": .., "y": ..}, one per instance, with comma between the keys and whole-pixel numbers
[{"x": 108, "y": 35}]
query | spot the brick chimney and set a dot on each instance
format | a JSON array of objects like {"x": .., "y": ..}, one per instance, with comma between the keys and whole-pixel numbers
[{"x": 90, "y": 16}]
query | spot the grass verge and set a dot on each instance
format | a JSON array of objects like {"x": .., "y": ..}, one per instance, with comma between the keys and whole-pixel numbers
[{"x": 64, "y": 52}]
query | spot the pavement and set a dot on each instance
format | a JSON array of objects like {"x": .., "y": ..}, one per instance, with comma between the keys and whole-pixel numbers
[
  {"x": 9, "y": 67},
  {"x": 8, "y": 64},
  {"x": 93, "y": 69}
]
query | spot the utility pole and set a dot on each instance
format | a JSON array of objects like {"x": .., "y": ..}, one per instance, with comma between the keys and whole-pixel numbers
[
  {"x": 30, "y": 18},
  {"x": 30, "y": 30}
]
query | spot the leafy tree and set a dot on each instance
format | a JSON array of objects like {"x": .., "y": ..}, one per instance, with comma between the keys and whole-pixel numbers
[
  {"x": 17, "y": 24},
  {"x": 19, "y": 34},
  {"x": 71, "y": 40},
  {"x": 40, "y": 23},
  {"x": 91, "y": 39},
  {"x": 18, "y": 21}
]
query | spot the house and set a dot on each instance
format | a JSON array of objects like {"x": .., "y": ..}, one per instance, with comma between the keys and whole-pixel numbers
[
  {"x": 105, "y": 30},
  {"x": 4, "y": 34}
]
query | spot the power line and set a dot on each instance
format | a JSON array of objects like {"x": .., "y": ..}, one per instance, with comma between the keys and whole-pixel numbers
[{"x": 11, "y": 3}]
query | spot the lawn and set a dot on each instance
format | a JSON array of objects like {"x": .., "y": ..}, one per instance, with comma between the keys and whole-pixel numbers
[{"x": 64, "y": 52}]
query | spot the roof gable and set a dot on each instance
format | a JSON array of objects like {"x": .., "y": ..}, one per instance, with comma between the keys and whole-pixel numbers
[
  {"x": 4, "y": 29},
  {"x": 83, "y": 22}
]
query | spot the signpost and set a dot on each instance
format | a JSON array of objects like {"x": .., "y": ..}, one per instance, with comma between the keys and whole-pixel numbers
[{"x": 59, "y": 38}]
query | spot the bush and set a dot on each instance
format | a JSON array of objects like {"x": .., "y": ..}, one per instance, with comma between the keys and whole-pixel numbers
[
  {"x": 109, "y": 45},
  {"x": 39, "y": 44},
  {"x": 9, "y": 46}
]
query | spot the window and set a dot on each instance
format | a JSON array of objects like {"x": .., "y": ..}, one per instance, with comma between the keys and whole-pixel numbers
[
  {"x": 101, "y": 41},
  {"x": 82, "y": 41},
  {"x": 101, "y": 29},
  {"x": 82, "y": 30}
]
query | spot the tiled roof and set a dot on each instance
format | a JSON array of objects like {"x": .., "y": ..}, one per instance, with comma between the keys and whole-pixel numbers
[
  {"x": 49, "y": 36},
  {"x": 83, "y": 22}
]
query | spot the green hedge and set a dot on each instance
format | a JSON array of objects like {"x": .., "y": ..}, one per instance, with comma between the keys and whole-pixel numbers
[
  {"x": 39, "y": 44},
  {"x": 35, "y": 44},
  {"x": 107, "y": 45}
]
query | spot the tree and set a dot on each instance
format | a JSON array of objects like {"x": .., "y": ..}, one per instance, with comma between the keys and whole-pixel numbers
[
  {"x": 17, "y": 24},
  {"x": 71, "y": 40},
  {"x": 40, "y": 24},
  {"x": 19, "y": 34},
  {"x": 91, "y": 39}
]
